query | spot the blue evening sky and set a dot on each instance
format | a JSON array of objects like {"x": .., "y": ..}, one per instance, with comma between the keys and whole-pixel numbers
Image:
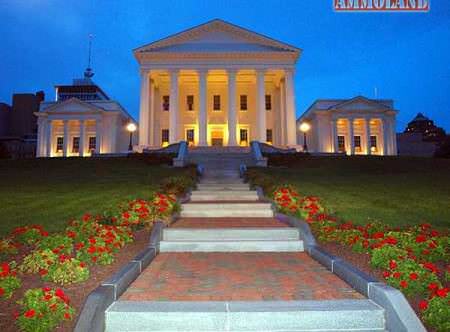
[{"x": 405, "y": 56}]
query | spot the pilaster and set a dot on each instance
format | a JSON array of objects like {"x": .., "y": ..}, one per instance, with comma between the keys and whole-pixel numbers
[
  {"x": 173, "y": 107},
  {"x": 232, "y": 141}
]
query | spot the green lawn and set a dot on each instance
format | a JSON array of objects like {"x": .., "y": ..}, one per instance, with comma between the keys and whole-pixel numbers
[
  {"x": 51, "y": 191},
  {"x": 398, "y": 191}
]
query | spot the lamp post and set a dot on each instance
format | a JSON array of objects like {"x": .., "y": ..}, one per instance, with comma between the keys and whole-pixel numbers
[
  {"x": 305, "y": 127},
  {"x": 131, "y": 127}
]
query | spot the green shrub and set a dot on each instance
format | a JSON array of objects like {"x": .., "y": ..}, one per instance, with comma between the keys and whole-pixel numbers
[
  {"x": 8, "y": 280},
  {"x": 437, "y": 313},
  {"x": 67, "y": 271},
  {"x": 43, "y": 309},
  {"x": 38, "y": 261},
  {"x": 59, "y": 244},
  {"x": 382, "y": 256}
]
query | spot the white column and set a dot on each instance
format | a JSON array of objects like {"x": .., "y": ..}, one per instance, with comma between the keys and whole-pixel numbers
[
  {"x": 367, "y": 121},
  {"x": 282, "y": 113},
  {"x": 66, "y": 139},
  {"x": 261, "y": 109},
  {"x": 82, "y": 137},
  {"x": 394, "y": 138},
  {"x": 151, "y": 121},
  {"x": 144, "y": 109},
  {"x": 385, "y": 131},
  {"x": 232, "y": 141},
  {"x": 291, "y": 127},
  {"x": 40, "y": 136},
  {"x": 334, "y": 136},
  {"x": 202, "y": 114},
  {"x": 173, "y": 109},
  {"x": 98, "y": 136},
  {"x": 48, "y": 138},
  {"x": 351, "y": 138}
]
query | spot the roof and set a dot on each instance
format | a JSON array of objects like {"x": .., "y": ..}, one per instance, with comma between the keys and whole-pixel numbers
[
  {"x": 216, "y": 36},
  {"x": 420, "y": 117},
  {"x": 336, "y": 104}
]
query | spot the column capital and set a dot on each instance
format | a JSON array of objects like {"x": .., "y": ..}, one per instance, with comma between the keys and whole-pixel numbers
[{"x": 144, "y": 71}]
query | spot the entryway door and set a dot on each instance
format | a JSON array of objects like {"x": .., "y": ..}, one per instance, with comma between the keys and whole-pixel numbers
[{"x": 217, "y": 138}]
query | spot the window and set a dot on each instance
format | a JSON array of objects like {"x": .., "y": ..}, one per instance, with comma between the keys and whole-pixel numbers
[
  {"x": 92, "y": 143},
  {"x": 190, "y": 102},
  {"x": 357, "y": 143},
  {"x": 190, "y": 136},
  {"x": 373, "y": 143},
  {"x": 341, "y": 143},
  {"x": 216, "y": 102},
  {"x": 268, "y": 102},
  {"x": 165, "y": 136},
  {"x": 166, "y": 103},
  {"x": 59, "y": 143},
  {"x": 243, "y": 100},
  {"x": 75, "y": 145},
  {"x": 269, "y": 136},
  {"x": 243, "y": 134}
]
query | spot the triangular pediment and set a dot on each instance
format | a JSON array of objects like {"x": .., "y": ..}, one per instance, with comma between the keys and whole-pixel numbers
[
  {"x": 216, "y": 36},
  {"x": 72, "y": 105},
  {"x": 360, "y": 103}
]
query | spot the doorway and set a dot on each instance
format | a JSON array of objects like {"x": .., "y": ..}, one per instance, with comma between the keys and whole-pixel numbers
[{"x": 217, "y": 138}]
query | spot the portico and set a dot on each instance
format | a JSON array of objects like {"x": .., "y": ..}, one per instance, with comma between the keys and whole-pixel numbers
[{"x": 217, "y": 84}]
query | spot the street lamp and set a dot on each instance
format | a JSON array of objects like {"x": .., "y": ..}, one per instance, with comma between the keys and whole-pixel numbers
[
  {"x": 305, "y": 127},
  {"x": 131, "y": 127}
]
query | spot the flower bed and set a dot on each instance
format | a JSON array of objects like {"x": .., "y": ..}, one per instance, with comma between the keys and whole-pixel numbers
[
  {"x": 414, "y": 260},
  {"x": 41, "y": 272}
]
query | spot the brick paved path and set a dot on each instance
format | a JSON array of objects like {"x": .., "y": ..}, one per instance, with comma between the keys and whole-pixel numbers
[{"x": 237, "y": 276}]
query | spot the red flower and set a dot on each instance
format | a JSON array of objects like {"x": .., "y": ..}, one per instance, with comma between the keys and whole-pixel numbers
[
  {"x": 378, "y": 235},
  {"x": 71, "y": 234},
  {"x": 403, "y": 284},
  {"x": 423, "y": 305},
  {"x": 125, "y": 215},
  {"x": 86, "y": 217},
  {"x": 421, "y": 238},
  {"x": 433, "y": 286},
  {"x": 392, "y": 264},
  {"x": 46, "y": 289},
  {"x": 386, "y": 274},
  {"x": 431, "y": 267},
  {"x": 43, "y": 272},
  {"x": 91, "y": 249},
  {"x": 47, "y": 297},
  {"x": 60, "y": 293},
  {"x": 66, "y": 315},
  {"x": 434, "y": 233},
  {"x": 30, "y": 313},
  {"x": 92, "y": 240},
  {"x": 442, "y": 292},
  {"x": 2, "y": 291},
  {"x": 432, "y": 245},
  {"x": 397, "y": 275},
  {"x": 413, "y": 276}
]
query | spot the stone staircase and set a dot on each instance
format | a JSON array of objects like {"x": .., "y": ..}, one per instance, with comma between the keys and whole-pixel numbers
[{"x": 221, "y": 193}]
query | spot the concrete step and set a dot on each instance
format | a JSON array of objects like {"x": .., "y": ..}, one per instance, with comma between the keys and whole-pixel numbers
[
  {"x": 223, "y": 186},
  {"x": 224, "y": 195},
  {"x": 232, "y": 246},
  {"x": 231, "y": 234},
  {"x": 244, "y": 316},
  {"x": 218, "y": 180},
  {"x": 222, "y": 210}
]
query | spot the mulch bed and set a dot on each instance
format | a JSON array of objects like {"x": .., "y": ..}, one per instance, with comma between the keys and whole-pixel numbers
[{"x": 78, "y": 292}]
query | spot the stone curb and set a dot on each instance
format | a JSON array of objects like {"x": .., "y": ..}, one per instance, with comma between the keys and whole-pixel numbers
[
  {"x": 92, "y": 316},
  {"x": 303, "y": 228}
]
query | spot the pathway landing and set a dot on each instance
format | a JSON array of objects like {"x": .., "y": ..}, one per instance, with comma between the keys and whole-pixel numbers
[{"x": 237, "y": 277}]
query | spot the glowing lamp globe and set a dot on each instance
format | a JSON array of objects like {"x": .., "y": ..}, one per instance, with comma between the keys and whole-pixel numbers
[
  {"x": 304, "y": 127},
  {"x": 131, "y": 127}
]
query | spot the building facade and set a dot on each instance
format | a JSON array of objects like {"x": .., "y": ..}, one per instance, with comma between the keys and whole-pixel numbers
[
  {"x": 217, "y": 84},
  {"x": 358, "y": 126},
  {"x": 81, "y": 121}
]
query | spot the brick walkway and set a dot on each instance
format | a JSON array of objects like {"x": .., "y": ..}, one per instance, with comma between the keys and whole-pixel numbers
[
  {"x": 237, "y": 276},
  {"x": 227, "y": 223}
]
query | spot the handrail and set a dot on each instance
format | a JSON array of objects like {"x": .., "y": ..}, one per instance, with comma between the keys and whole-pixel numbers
[
  {"x": 257, "y": 154},
  {"x": 182, "y": 156}
]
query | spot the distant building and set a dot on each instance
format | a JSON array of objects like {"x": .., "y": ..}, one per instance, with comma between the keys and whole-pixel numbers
[
  {"x": 18, "y": 125},
  {"x": 421, "y": 137},
  {"x": 82, "y": 120},
  {"x": 357, "y": 126},
  {"x": 423, "y": 125}
]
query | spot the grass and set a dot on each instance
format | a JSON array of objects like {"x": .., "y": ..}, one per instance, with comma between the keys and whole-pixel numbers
[
  {"x": 397, "y": 191},
  {"x": 52, "y": 191}
]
